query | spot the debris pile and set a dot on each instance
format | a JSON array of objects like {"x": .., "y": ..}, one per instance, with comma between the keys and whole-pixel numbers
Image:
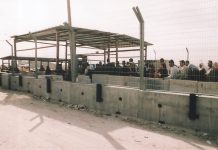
[{"x": 78, "y": 107}]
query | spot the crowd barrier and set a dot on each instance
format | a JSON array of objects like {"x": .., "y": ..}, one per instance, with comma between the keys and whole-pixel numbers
[{"x": 190, "y": 110}]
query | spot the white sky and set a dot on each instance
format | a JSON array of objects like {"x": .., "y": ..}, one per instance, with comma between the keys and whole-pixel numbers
[{"x": 171, "y": 25}]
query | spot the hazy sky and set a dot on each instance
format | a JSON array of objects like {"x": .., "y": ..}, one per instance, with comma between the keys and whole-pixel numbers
[{"x": 171, "y": 25}]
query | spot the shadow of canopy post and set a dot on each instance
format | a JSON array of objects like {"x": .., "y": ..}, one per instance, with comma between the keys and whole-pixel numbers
[{"x": 84, "y": 38}]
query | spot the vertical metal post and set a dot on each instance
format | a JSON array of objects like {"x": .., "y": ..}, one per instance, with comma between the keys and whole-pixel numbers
[
  {"x": 145, "y": 53},
  {"x": 29, "y": 65},
  {"x": 109, "y": 49},
  {"x": 104, "y": 56},
  {"x": 66, "y": 57},
  {"x": 187, "y": 53},
  {"x": 69, "y": 12},
  {"x": 14, "y": 62},
  {"x": 12, "y": 58},
  {"x": 57, "y": 49},
  {"x": 155, "y": 58},
  {"x": 116, "y": 52},
  {"x": 73, "y": 56},
  {"x": 142, "y": 86},
  {"x": 141, "y": 20},
  {"x": 108, "y": 54},
  {"x": 72, "y": 44},
  {"x": 36, "y": 66}
]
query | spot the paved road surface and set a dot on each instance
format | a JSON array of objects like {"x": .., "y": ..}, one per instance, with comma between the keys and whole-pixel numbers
[{"x": 30, "y": 124}]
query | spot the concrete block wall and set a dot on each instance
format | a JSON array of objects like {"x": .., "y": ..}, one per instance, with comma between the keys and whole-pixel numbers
[
  {"x": 40, "y": 85},
  {"x": 100, "y": 78},
  {"x": 28, "y": 83},
  {"x": 14, "y": 84},
  {"x": 120, "y": 100},
  {"x": 52, "y": 77},
  {"x": 208, "y": 112},
  {"x": 40, "y": 88},
  {"x": 61, "y": 91},
  {"x": 6, "y": 79},
  {"x": 84, "y": 79},
  {"x": 208, "y": 87},
  {"x": 83, "y": 94},
  {"x": 168, "y": 107},
  {"x": 132, "y": 81},
  {"x": 171, "y": 108},
  {"x": 147, "y": 106},
  {"x": 157, "y": 84},
  {"x": 1, "y": 78},
  {"x": 116, "y": 80},
  {"x": 184, "y": 86}
]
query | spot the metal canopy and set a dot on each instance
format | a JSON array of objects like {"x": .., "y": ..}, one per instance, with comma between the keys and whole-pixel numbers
[{"x": 84, "y": 37}]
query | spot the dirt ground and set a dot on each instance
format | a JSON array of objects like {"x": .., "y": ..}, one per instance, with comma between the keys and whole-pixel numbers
[{"x": 29, "y": 123}]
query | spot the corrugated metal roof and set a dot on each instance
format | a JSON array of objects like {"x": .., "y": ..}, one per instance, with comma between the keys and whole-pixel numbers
[{"x": 84, "y": 37}]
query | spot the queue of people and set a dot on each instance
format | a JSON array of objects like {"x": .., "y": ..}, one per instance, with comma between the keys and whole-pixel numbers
[{"x": 185, "y": 70}]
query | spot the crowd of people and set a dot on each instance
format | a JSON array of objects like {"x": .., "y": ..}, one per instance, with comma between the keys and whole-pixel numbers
[
  {"x": 127, "y": 68},
  {"x": 165, "y": 69},
  {"x": 188, "y": 71},
  {"x": 184, "y": 71}
]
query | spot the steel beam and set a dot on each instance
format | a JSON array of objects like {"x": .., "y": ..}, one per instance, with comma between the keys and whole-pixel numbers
[{"x": 141, "y": 68}]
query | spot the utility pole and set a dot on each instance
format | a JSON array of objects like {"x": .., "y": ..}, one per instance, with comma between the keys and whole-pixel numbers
[{"x": 141, "y": 68}]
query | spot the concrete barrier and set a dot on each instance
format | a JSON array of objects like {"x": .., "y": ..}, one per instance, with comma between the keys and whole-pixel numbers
[
  {"x": 6, "y": 79},
  {"x": 83, "y": 94},
  {"x": 100, "y": 79},
  {"x": 120, "y": 100},
  {"x": 40, "y": 85},
  {"x": 116, "y": 80},
  {"x": 28, "y": 83},
  {"x": 1, "y": 78},
  {"x": 183, "y": 86},
  {"x": 157, "y": 83},
  {"x": 61, "y": 91},
  {"x": 84, "y": 79},
  {"x": 147, "y": 106},
  {"x": 132, "y": 81},
  {"x": 208, "y": 88},
  {"x": 52, "y": 77},
  {"x": 14, "y": 84},
  {"x": 39, "y": 88},
  {"x": 166, "y": 107},
  {"x": 171, "y": 108}
]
